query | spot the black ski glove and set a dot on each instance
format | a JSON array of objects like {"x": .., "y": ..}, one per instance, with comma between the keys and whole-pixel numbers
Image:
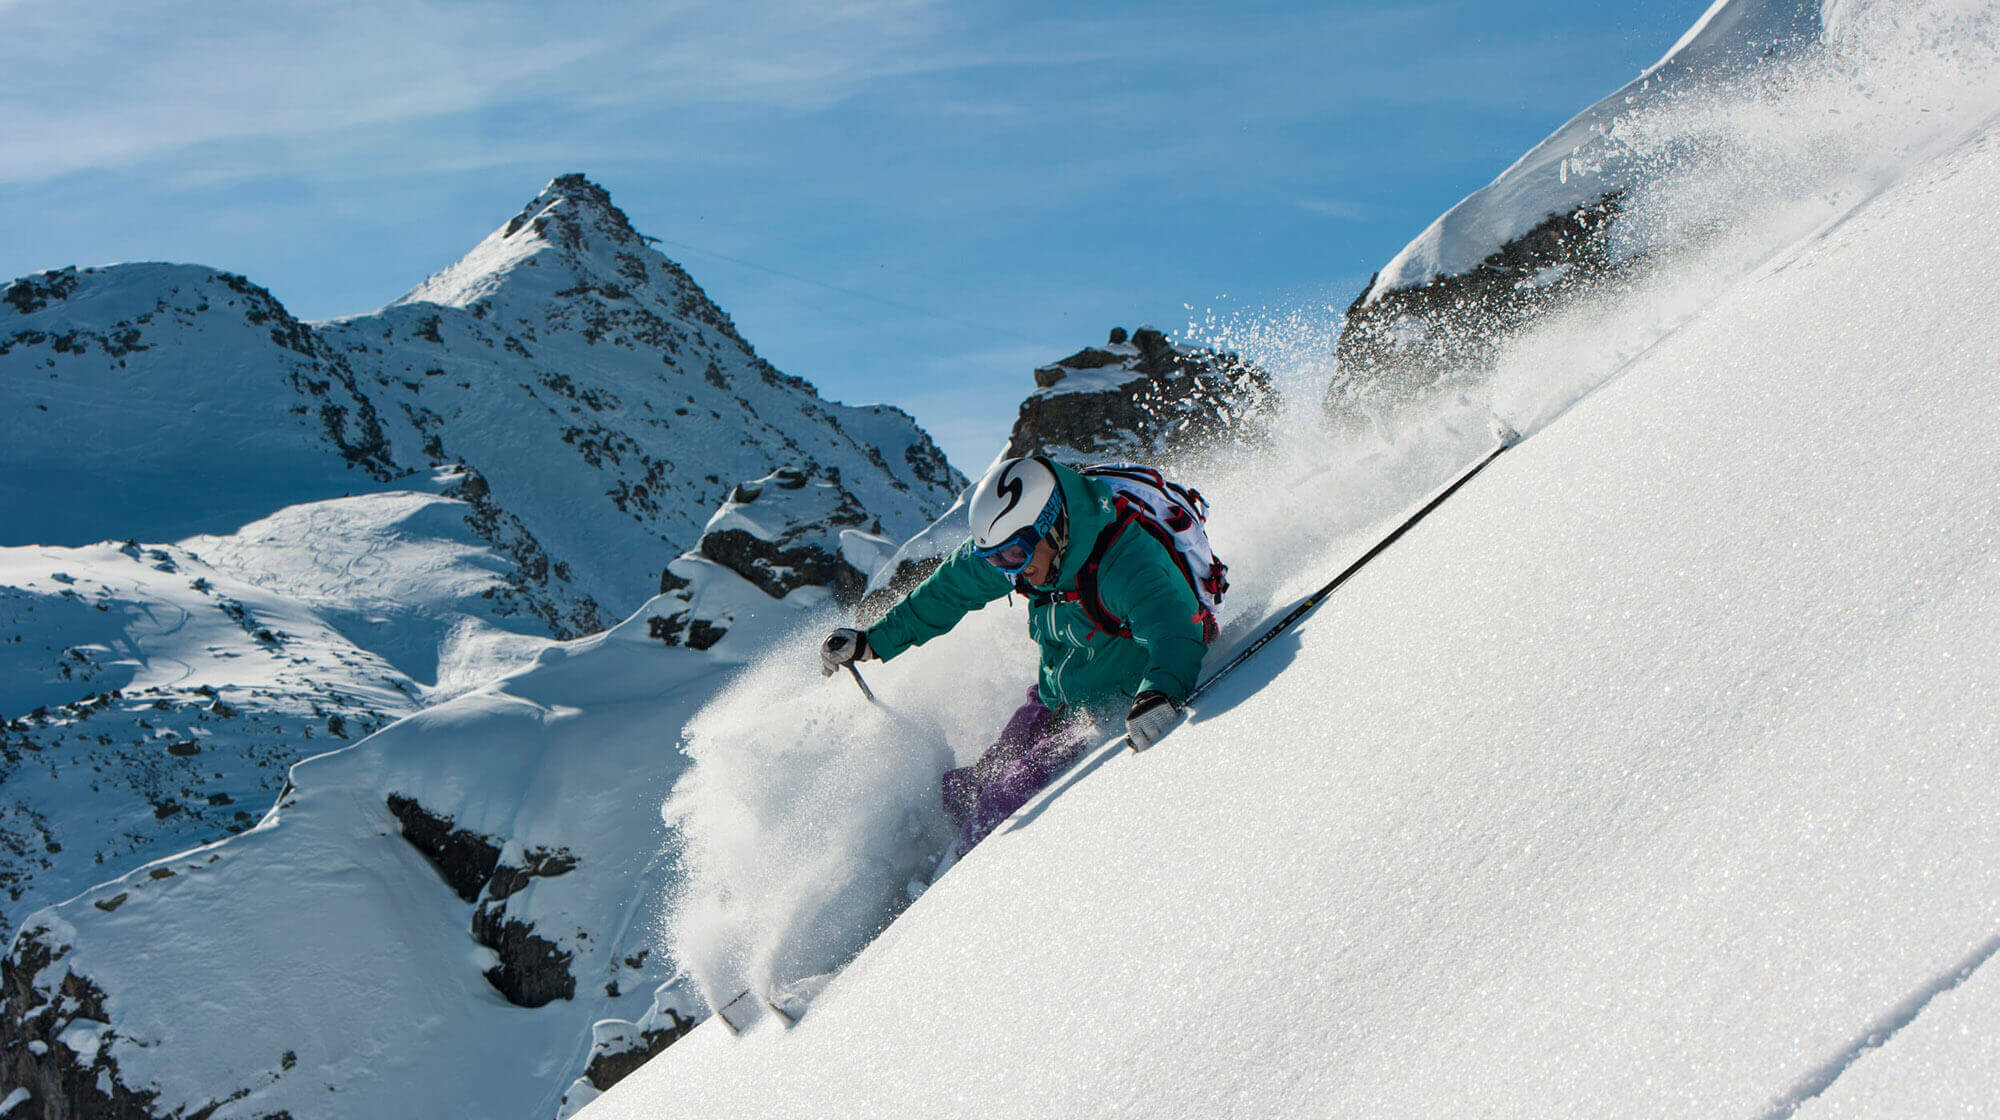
[
  {"x": 843, "y": 647},
  {"x": 1152, "y": 716}
]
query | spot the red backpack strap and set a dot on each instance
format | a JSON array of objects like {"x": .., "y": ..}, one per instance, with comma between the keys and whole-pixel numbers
[{"x": 1086, "y": 595}]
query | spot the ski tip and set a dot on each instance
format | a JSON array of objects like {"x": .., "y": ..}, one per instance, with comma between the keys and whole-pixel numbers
[
  {"x": 1505, "y": 433},
  {"x": 739, "y": 1012},
  {"x": 784, "y": 1016}
]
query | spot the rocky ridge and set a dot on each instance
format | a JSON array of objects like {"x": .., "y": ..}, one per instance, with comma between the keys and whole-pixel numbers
[
  {"x": 595, "y": 402},
  {"x": 1570, "y": 218}
]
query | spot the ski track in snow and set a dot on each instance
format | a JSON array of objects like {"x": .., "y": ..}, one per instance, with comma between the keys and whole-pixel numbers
[{"x": 1880, "y": 1033}]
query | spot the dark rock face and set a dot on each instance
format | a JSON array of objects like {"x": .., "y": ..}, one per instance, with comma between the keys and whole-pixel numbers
[
  {"x": 612, "y": 1063},
  {"x": 1147, "y": 399},
  {"x": 533, "y": 970},
  {"x": 776, "y": 570},
  {"x": 778, "y": 533},
  {"x": 1405, "y": 344},
  {"x": 681, "y": 628},
  {"x": 32, "y": 293},
  {"x": 800, "y": 552},
  {"x": 465, "y": 859}
]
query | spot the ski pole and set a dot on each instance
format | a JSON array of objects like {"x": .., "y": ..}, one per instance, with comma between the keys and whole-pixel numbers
[
  {"x": 1508, "y": 438},
  {"x": 864, "y": 685}
]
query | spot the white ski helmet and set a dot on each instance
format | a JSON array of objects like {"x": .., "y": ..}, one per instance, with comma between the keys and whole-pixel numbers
[{"x": 1013, "y": 508}]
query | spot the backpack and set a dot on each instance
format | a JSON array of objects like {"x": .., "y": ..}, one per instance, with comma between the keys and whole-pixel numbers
[{"x": 1174, "y": 515}]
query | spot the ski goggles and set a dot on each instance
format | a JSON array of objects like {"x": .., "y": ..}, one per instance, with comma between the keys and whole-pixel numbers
[{"x": 1012, "y": 555}]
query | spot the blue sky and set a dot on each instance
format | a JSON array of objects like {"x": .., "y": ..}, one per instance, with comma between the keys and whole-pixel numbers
[{"x": 899, "y": 200}]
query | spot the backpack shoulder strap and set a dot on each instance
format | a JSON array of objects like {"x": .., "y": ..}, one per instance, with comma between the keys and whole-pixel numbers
[{"x": 1086, "y": 594}]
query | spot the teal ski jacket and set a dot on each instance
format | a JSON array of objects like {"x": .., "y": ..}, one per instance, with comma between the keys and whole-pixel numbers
[{"x": 1082, "y": 667}]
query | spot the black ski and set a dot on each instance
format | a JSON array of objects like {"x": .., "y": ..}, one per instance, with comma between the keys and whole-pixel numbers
[{"x": 1508, "y": 438}]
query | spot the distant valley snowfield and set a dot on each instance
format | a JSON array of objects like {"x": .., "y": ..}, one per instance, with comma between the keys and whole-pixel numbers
[{"x": 1655, "y": 773}]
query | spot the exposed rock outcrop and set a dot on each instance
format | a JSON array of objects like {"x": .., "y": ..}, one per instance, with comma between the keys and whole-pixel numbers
[
  {"x": 1145, "y": 398},
  {"x": 1404, "y": 344},
  {"x": 533, "y": 969},
  {"x": 465, "y": 859},
  {"x": 60, "y": 1038},
  {"x": 792, "y": 529},
  {"x": 618, "y": 1048},
  {"x": 53, "y": 1035}
]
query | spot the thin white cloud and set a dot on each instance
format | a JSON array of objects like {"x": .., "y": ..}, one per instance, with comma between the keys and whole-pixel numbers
[
  {"x": 111, "y": 85},
  {"x": 1333, "y": 208}
]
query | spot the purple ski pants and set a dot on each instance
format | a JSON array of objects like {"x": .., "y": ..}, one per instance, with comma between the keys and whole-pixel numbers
[{"x": 1034, "y": 747}]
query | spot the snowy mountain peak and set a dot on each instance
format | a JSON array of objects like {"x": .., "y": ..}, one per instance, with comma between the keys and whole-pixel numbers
[
  {"x": 569, "y": 242},
  {"x": 571, "y": 208}
]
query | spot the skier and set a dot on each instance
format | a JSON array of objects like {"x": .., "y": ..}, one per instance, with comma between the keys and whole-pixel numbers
[{"x": 1036, "y": 529}]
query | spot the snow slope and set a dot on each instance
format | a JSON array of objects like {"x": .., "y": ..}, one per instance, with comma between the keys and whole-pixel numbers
[
  {"x": 437, "y": 920},
  {"x": 154, "y": 701},
  {"x": 401, "y": 574},
  {"x": 152, "y": 401},
  {"x": 1655, "y": 774},
  {"x": 351, "y": 983}
]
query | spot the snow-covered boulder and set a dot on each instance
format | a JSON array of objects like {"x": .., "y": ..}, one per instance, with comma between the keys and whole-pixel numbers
[
  {"x": 1144, "y": 398},
  {"x": 793, "y": 537}
]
